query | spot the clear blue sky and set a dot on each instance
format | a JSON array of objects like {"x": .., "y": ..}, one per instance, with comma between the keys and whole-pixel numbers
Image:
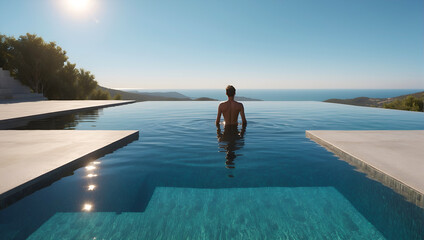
[{"x": 251, "y": 44}]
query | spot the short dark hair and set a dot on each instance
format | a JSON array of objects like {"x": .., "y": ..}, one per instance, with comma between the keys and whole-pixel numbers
[{"x": 230, "y": 90}]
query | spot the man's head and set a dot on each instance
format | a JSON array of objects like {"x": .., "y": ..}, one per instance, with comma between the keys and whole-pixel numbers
[{"x": 231, "y": 91}]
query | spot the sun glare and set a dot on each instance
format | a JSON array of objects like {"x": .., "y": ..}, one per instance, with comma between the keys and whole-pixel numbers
[
  {"x": 87, "y": 207},
  {"x": 79, "y": 5},
  {"x": 89, "y": 168}
]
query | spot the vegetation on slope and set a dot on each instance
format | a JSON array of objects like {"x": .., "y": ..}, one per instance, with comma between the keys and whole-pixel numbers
[
  {"x": 44, "y": 67},
  {"x": 360, "y": 101},
  {"x": 410, "y": 102},
  {"x": 175, "y": 95}
]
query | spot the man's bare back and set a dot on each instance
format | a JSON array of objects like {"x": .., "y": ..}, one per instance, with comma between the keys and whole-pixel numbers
[{"x": 231, "y": 109}]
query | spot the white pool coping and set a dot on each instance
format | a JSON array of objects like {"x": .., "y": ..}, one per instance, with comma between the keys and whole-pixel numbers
[
  {"x": 19, "y": 114},
  {"x": 393, "y": 157},
  {"x": 30, "y": 158}
]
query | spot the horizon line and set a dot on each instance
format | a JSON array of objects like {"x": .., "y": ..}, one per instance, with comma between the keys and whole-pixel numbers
[{"x": 121, "y": 88}]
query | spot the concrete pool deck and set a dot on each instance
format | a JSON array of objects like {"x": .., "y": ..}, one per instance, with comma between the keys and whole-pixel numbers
[
  {"x": 19, "y": 114},
  {"x": 394, "y": 158},
  {"x": 32, "y": 159}
]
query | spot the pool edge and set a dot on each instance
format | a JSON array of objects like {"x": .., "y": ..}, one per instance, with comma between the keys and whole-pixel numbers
[
  {"x": 15, "y": 194},
  {"x": 411, "y": 194},
  {"x": 20, "y": 121}
]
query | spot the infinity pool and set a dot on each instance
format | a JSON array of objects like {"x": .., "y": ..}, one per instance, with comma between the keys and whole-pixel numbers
[{"x": 184, "y": 178}]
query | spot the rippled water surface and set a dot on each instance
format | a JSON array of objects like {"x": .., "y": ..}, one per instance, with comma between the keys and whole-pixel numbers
[{"x": 184, "y": 178}]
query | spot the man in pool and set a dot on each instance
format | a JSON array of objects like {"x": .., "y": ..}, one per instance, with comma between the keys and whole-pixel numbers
[{"x": 231, "y": 109}]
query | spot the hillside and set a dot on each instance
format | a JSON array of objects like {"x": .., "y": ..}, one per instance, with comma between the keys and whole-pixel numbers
[
  {"x": 139, "y": 97},
  {"x": 376, "y": 102},
  {"x": 162, "y": 96},
  {"x": 242, "y": 99},
  {"x": 205, "y": 99},
  {"x": 360, "y": 101},
  {"x": 166, "y": 95}
]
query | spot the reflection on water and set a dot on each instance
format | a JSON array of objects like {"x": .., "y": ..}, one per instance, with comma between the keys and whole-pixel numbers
[
  {"x": 230, "y": 140},
  {"x": 177, "y": 151},
  {"x": 87, "y": 207},
  {"x": 69, "y": 121},
  {"x": 90, "y": 168},
  {"x": 92, "y": 184}
]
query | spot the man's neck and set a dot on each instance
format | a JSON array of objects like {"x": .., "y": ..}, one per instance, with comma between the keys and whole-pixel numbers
[{"x": 231, "y": 98}]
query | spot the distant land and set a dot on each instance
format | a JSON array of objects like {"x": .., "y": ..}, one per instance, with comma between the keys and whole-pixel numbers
[
  {"x": 400, "y": 102},
  {"x": 376, "y": 102},
  {"x": 162, "y": 96},
  {"x": 139, "y": 97},
  {"x": 165, "y": 95},
  {"x": 235, "y": 98},
  {"x": 284, "y": 94}
]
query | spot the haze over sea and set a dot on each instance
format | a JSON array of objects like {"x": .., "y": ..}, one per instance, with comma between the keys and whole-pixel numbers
[{"x": 290, "y": 94}]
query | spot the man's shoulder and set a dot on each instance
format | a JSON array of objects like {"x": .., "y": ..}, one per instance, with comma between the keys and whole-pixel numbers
[{"x": 222, "y": 104}]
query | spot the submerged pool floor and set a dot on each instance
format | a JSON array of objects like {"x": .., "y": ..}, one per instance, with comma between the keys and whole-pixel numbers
[
  {"x": 185, "y": 178},
  {"x": 234, "y": 213}
]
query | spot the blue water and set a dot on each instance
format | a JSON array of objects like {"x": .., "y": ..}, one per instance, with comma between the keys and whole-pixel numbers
[
  {"x": 291, "y": 94},
  {"x": 186, "y": 178}
]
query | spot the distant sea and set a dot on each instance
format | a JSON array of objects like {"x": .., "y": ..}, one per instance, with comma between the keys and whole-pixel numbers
[{"x": 290, "y": 94}]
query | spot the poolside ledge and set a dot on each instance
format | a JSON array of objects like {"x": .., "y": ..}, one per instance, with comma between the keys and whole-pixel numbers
[
  {"x": 394, "y": 158},
  {"x": 19, "y": 114},
  {"x": 30, "y": 160}
]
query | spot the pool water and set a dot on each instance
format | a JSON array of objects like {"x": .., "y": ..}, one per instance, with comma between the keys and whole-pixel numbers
[{"x": 186, "y": 179}]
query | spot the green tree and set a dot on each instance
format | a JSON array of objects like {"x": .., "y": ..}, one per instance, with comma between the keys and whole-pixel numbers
[
  {"x": 86, "y": 85},
  {"x": 43, "y": 66},
  {"x": 36, "y": 63},
  {"x": 98, "y": 94},
  {"x": 117, "y": 97},
  {"x": 410, "y": 103},
  {"x": 5, "y": 48},
  {"x": 65, "y": 85}
]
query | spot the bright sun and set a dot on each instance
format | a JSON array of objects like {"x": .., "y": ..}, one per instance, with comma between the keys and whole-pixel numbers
[{"x": 78, "y": 5}]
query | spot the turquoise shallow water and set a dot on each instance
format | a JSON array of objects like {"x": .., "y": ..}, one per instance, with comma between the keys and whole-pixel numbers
[
  {"x": 186, "y": 179},
  {"x": 223, "y": 213}
]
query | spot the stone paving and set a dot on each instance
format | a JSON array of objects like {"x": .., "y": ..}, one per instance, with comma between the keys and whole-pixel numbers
[
  {"x": 395, "y": 158},
  {"x": 19, "y": 114},
  {"x": 29, "y": 157}
]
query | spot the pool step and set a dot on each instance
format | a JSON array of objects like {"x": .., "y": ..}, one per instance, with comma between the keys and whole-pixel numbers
[{"x": 231, "y": 213}]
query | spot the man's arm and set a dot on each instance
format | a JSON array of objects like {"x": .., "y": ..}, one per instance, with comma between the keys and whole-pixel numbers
[
  {"x": 218, "y": 118},
  {"x": 243, "y": 117}
]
